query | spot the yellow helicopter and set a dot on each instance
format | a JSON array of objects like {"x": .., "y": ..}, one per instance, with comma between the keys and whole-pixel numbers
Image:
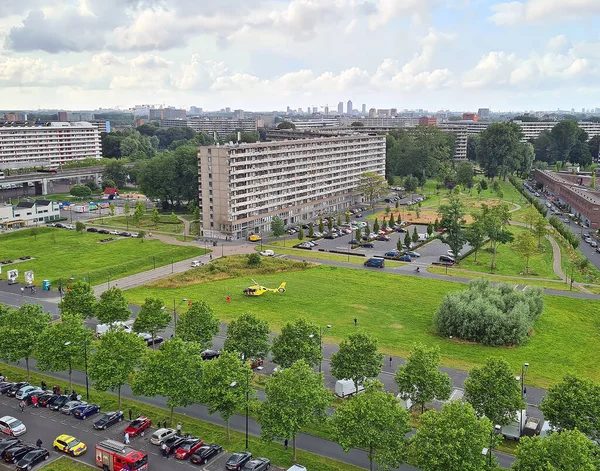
[{"x": 258, "y": 290}]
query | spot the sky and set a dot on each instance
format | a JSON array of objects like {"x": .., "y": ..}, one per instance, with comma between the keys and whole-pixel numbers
[{"x": 269, "y": 54}]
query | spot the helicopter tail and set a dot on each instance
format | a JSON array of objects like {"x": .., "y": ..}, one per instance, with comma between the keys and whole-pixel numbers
[{"x": 281, "y": 288}]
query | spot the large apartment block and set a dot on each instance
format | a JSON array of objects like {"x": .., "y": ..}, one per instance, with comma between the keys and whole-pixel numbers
[
  {"x": 51, "y": 144},
  {"x": 221, "y": 126},
  {"x": 242, "y": 187}
]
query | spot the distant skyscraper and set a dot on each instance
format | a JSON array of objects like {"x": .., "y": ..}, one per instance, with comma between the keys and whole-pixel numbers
[
  {"x": 483, "y": 113},
  {"x": 327, "y": 111},
  {"x": 299, "y": 110},
  {"x": 341, "y": 107},
  {"x": 349, "y": 107},
  {"x": 364, "y": 109},
  {"x": 315, "y": 110},
  {"x": 239, "y": 114},
  {"x": 228, "y": 110},
  {"x": 372, "y": 113},
  {"x": 308, "y": 109},
  {"x": 289, "y": 110}
]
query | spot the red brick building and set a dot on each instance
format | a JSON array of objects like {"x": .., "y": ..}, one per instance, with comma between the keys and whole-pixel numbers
[
  {"x": 470, "y": 116},
  {"x": 427, "y": 121}
]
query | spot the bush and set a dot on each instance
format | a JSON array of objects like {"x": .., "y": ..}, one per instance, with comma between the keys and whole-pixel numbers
[
  {"x": 254, "y": 260},
  {"x": 536, "y": 203},
  {"x": 564, "y": 231},
  {"x": 491, "y": 315}
]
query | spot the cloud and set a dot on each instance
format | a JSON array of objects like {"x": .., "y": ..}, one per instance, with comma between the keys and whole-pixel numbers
[
  {"x": 512, "y": 13},
  {"x": 558, "y": 43}
]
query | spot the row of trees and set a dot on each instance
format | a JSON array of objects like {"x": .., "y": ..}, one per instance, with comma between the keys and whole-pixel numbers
[{"x": 566, "y": 142}]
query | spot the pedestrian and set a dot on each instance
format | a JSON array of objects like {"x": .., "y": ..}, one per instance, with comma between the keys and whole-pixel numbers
[
  {"x": 210, "y": 260},
  {"x": 44, "y": 387},
  {"x": 165, "y": 452},
  {"x": 165, "y": 423},
  {"x": 22, "y": 406},
  {"x": 34, "y": 401},
  {"x": 179, "y": 429},
  {"x": 22, "y": 291},
  {"x": 130, "y": 413},
  {"x": 58, "y": 390},
  {"x": 285, "y": 444},
  {"x": 355, "y": 321},
  {"x": 126, "y": 438},
  {"x": 390, "y": 361},
  {"x": 38, "y": 443}
]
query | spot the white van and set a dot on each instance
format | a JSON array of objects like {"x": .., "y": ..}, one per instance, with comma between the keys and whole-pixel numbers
[
  {"x": 197, "y": 263},
  {"x": 345, "y": 388},
  {"x": 297, "y": 467},
  {"x": 101, "y": 329}
]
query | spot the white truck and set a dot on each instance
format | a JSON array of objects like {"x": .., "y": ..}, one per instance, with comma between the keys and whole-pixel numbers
[
  {"x": 101, "y": 329},
  {"x": 345, "y": 388},
  {"x": 522, "y": 425}
]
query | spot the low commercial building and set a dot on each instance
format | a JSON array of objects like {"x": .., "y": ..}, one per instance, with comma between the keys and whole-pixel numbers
[
  {"x": 243, "y": 187},
  {"x": 27, "y": 213}
]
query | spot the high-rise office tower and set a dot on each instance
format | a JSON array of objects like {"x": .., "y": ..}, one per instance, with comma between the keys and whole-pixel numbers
[
  {"x": 341, "y": 107},
  {"x": 349, "y": 107}
]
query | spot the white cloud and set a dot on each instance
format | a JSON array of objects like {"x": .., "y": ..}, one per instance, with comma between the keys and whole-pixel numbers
[
  {"x": 558, "y": 43},
  {"x": 512, "y": 13}
]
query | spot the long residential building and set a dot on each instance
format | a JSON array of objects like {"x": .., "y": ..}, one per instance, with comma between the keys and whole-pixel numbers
[
  {"x": 221, "y": 126},
  {"x": 50, "y": 144},
  {"x": 243, "y": 187}
]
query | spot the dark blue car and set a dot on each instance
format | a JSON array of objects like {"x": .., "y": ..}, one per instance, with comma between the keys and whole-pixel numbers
[
  {"x": 404, "y": 258},
  {"x": 84, "y": 411}
]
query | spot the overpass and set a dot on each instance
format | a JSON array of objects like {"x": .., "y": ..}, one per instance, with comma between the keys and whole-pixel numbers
[{"x": 41, "y": 179}]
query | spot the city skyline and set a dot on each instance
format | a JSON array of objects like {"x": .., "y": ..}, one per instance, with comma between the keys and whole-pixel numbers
[{"x": 458, "y": 55}]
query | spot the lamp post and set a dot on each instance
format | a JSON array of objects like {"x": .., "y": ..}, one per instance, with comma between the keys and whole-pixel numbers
[
  {"x": 320, "y": 343},
  {"x": 572, "y": 269},
  {"x": 488, "y": 451},
  {"x": 523, "y": 391},
  {"x": 68, "y": 343},
  {"x": 175, "y": 306}
]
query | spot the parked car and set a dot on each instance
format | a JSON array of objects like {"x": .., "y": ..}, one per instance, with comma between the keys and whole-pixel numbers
[
  {"x": 173, "y": 443},
  {"x": 11, "y": 426},
  {"x": 210, "y": 354},
  {"x": 14, "y": 454},
  {"x": 162, "y": 435},
  {"x": 196, "y": 263},
  {"x": 354, "y": 242},
  {"x": 70, "y": 445},
  {"x": 103, "y": 231},
  {"x": 257, "y": 464},
  {"x": 59, "y": 402},
  {"x": 205, "y": 453},
  {"x": 375, "y": 262},
  {"x": 412, "y": 253},
  {"x": 256, "y": 362},
  {"x": 383, "y": 238},
  {"x": 138, "y": 426},
  {"x": 108, "y": 419},
  {"x": 37, "y": 394},
  {"x": 368, "y": 245},
  {"x": 70, "y": 406},
  {"x": 8, "y": 443},
  {"x": 188, "y": 448},
  {"x": 392, "y": 253},
  {"x": 26, "y": 391},
  {"x": 91, "y": 229},
  {"x": 405, "y": 258},
  {"x": 267, "y": 253},
  {"x": 12, "y": 392},
  {"x": 447, "y": 259},
  {"x": 84, "y": 411},
  {"x": 237, "y": 460},
  {"x": 401, "y": 230},
  {"x": 5, "y": 386},
  {"x": 32, "y": 458},
  {"x": 451, "y": 254}
]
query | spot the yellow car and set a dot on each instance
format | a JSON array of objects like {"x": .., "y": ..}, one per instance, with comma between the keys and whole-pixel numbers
[
  {"x": 69, "y": 445},
  {"x": 254, "y": 238}
]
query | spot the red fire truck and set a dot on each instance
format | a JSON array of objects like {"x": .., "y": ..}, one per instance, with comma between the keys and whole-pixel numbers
[{"x": 114, "y": 456}]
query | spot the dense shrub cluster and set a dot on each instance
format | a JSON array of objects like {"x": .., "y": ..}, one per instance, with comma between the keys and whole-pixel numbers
[
  {"x": 564, "y": 231},
  {"x": 535, "y": 202},
  {"x": 491, "y": 315}
]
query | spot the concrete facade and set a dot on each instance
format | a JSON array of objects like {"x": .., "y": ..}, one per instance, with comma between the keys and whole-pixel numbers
[
  {"x": 243, "y": 187},
  {"x": 28, "y": 213},
  {"x": 221, "y": 126}
]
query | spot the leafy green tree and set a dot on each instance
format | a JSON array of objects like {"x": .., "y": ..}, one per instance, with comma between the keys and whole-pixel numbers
[
  {"x": 399, "y": 244},
  {"x": 493, "y": 392},
  {"x": 499, "y": 149},
  {"x": 321, "y": 225},
  {"x": 111, "y": 208},
  {"x": 254, "y": 260},
  {"x": 376, "y": 226},
  {"x": 138, "y": 212},
  {"x": 436, "y": 224},
  {"x": 545, "y": 148},
  {"x": 81, "y": 191},
  {"x": 112, "y": 307},
  {"x": 20, "y": 330},
  {"x": 407, "y": 240},
  {"x": 484, "y": 184},
  {"x": 539, "y": 228},
  {"x": 372, "y": 186},
  {"x": 117, "y": 172},
  {"x": 347, "y": 216},
  {"x": 198, "y": 324},
  {"x": 152, "y": 318},
  {"x": 374, "y": 421},
  {"x": 167, "y": 372},
  {"x": 450, "y": 440},
  {"x": 573, "y": 403},
  {"x": 569, "y": 450},
  {"x": 117, "y": 357},
  {"x": 494, "y": 220},
  {"x": 525, "y": 246},
  {"x": 475, "y": 236},
  {"x": 464, "y": 174},
  {"x": 527, "y": 157},
  {"x": 358, "y": 234},
  {"x": 286, "y": 125},
  {"x": 311, "y": 231},
  {"x": 367, "y": 229},
  {"x": 452, "y": 217},
  {"x": 79, "y": 227},
  {"x": 357, "y": 359},
  {"x": 173, "y": 218},
  {"x": 61, "y": 345},
  {"x": 224, "y": 385},
  {"x": 79, "y": 299},
  {"x": 108, "y": 183},
  {"x": 429, "y": 230},
  {"x": 419, "y": 379},
  {"x": 299, "y": 340},
  {"x": 330, "y": 223},
  {"x": 155, "y": 217},
  {"x": 384, "y": 224},
  {"x": 411, "y": 183},
  {"x": 300, "y": 234},
  {"x": 566, "y": 134},
  {"x": 277, "y": 226},
  {"x": 339, "y": 220},
  {"x": 392, "y": 221},
  {"x": 415, "y": 235},
  {"x": 127, "y": 208},
  {"x": 531, "y": 216},
  {"x": 296, "y": 398},
  {"x": 249, "y": 336}
]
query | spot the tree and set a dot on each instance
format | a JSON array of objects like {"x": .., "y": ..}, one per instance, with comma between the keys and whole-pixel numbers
[
  {"x": 198, "y": 324},
  {"x": 531, "y": 216},
  {"x": 494, "y": 220},
  {"x": 81, "y": 191},
  {"x": 525, "y": 246},
  {"x": 155, "y": 217},
  {"x": 330, "y": 223},
  {"x": 367, "y": 229},
  {"x": 347, "y": 216},
  {"x": 573, "y": 403},
  {"x": 545, "y": 147},
  {"x": 376, "y": 226},
  {"x": 116, "y": 358},
  {"x": 300, "y": 233},
  {"x": 475, "y": 236},
  {"x": 415, "y": 235},
  {"x": 34, "y": 231},
  {"x": 321, "y": 225},
  {"x": 152, "y": 318},
  {"x": 79, "y": 299},
  {"x": 108, "y": 183},
  {"x": 429, "y": 230},
  {"x": 580, "y": 154},
  {"x": 464, "y": 174},
  {"x": 117, "y": 172},
  {"x": 173, "y": 219},
  {"x": 450, "y": 440},
  {"x": 127, "y": 208},
  {"x": 138, "y": 212},
  {"x": 493, "y": 392},
  {"x": 484, "y": 184},
  {"x": 357, "y": 359},
  {"x": 311, "y": 231},
  {"x": 499, "y": 149},
  {"x": 374, "y": 421},
  {"x": 168, "y": 371},
  {"x": 79, "y": 227},
  {"x": 249, "y": 336},
  {"x": 384, "y": 224},
  {"x": 299, "y": 340},
  {"x": 111, "y": 208},
  {"x": 286, "y": 125},
  {"x": 372, "y": 186},
  {"x": 452, "y": 217},
  {"x": 224, "y": 385},
  {"x": 358, "y": 234},
  {"x": 411, "y": 183},
  {"x": 392, "y": 221},
  {"x": 254, "y": 260},
  {"x": 407, "y": 240},
  {"x": 277, "y": 226},
  {"x": 399, "y": 244},
  {"x": 20, "y": 330},
  {"x": 569, "y": 450},
  {"x": 527, "y": 157},
  {"x": 112, "y": 307},
  {"x": 61, "y": 345},
  {"x": 565, "y": 134},
  {"x": 295, "y": 399},
  {"x": 419, "y": 379},
  {"x": 593, "y": 181},
  {"x": 539, "y": 228}
]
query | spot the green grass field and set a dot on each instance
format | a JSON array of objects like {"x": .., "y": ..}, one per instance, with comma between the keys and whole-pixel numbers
[
  {"x": 398, "y": 311},
  {"x": 61, "y": 254},
  {"x": 511, "y": 263},
  {"x": 146, "y": 223},
  {"x": 67, "y": 464}
]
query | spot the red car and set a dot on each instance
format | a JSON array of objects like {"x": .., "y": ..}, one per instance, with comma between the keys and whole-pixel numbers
[
  {"x": 188, "y": 448},
  {"x": 138, "y": 426},
  {"x": 256, "y": 362}
]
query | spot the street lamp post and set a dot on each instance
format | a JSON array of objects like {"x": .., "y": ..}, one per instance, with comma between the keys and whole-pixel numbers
[
  {"x": 523, "y": 391},
  {"x": 70, "y": 366},
  {"x": 488, "y": 451},
  {"x": 320, "y": 344},
  {"x": 175, "y": 306}
]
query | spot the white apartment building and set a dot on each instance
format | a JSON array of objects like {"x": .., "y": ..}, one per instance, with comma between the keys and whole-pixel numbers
[
  {"x": 54, "y": 143},
  {"x": 242, "y": 187},
  {"x": 28, "y": 213},
  {"x": 221, "y": 126},
  {"x": 532, "y": 130},
  {"x": 315, "y": 123}
]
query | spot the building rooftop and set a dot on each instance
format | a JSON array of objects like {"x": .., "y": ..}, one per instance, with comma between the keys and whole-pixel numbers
[
  {"x": 590, "y": 195},
  {"x": 291, "y": 142},
  {"x": 45, "y": 124}
]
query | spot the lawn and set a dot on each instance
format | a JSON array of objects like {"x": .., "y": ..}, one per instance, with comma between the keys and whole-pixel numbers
[
  {"x": 316, "y": 255},
  {"x": 61, "y": 254},
  {"x": 146, "y": 223},
  {"x": 67, "y": 464},
  {"x": 398, "y": 311},
  {"x": 511, "y": 263}
]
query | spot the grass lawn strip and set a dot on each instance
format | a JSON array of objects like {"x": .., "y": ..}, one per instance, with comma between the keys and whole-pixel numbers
[
  {"x": 65, "y": 463},
  {"x": 61, "y": 254},
  {"x": 398, "y": 311},
  {"x": 210, "y": 433},
  {"x": 336, "y": 257},
  {"x": 146, "y": 223}
]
